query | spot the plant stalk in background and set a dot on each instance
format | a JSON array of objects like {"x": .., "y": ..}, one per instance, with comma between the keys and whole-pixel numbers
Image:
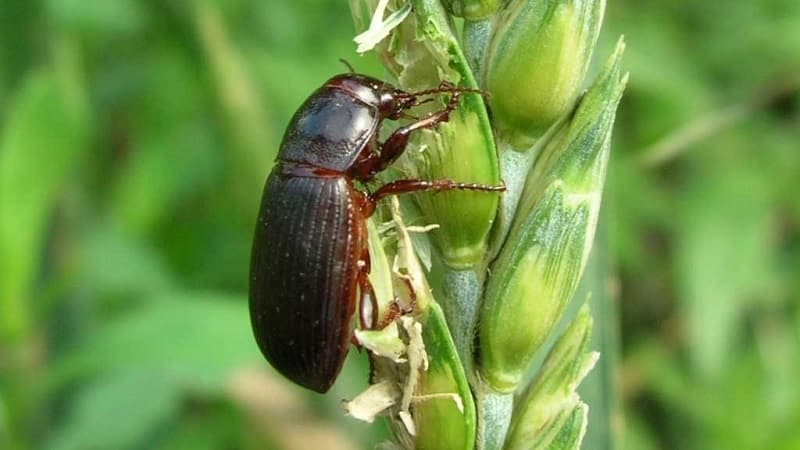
[{"x": 507, "y": 289}]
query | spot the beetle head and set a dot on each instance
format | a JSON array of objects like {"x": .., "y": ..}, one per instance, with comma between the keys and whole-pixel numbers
[
  {"x": 390, "y": 101},
  {"x": 394, "y": 101},
  {"x": 369, "y": 90}
]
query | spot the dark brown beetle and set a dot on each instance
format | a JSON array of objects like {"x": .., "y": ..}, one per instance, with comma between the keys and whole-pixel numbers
[{"x": 310, "y": 258}]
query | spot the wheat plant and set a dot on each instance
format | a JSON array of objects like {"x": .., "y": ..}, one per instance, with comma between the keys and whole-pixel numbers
[{"x": 490, "y": 274}]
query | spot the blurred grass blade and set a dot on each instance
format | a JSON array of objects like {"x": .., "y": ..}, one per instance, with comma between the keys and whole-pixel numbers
[
  {"x": 43, "y": 141},
  {"x": 5, "y": 432},
  {"x": 209, "y": 342},
  {"x": 98, "y": 19},
  {"x": 719, "y": 283},
  {"x": 101, "y": 247},
  {"x": 148, "y": 400},
  {"x": 141, "y": 367},
  {"x": 599, "y": 388},
  {"x": 172, "y": 148},
  {"x": 244, "y": 114}
]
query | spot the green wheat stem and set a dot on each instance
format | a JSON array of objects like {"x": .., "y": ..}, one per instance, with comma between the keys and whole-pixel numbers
[{"x": 494, "y": 417}]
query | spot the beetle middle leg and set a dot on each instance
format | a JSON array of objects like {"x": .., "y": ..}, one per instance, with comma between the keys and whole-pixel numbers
[
  {"x": 409, "y": 186},
  {"x": 368, "y": 303},
  {"x": 368, "y": 308}
]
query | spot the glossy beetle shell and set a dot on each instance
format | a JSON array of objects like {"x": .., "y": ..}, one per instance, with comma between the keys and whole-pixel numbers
[
  {"x": 303, "y": 280},
  {"x": 329, "y": 130}
]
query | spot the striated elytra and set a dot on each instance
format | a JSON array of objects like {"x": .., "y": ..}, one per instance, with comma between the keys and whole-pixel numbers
[{"x": 310, "y": 260}]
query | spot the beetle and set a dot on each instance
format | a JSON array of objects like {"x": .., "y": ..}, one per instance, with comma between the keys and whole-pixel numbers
[{"x": 310, "y": 260}]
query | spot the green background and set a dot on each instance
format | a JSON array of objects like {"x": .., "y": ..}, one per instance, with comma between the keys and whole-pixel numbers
[{"x": 134, "y": 140}]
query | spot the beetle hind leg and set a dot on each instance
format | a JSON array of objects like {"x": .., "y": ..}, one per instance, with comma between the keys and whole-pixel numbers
[
  {"x": 368, "y": 304},
  {"x": 412, "y": 296},
  {"x": 394, "y": 312},
  {"x": 396, "y": 309},
  {"x": 369, "y": 311}
]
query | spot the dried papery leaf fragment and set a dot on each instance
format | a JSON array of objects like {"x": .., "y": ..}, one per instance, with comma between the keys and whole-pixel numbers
[
  {"x": 372, "y": 402},
  {"x": 379, "y": 28}
]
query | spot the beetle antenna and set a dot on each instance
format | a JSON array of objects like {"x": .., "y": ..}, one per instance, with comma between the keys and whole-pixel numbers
[
  {"x": 347, "y": 63},
  {"x": 427, "y": 100},
  {"x": 447, "y": 87},
  {"x": 406, "y": 115}
]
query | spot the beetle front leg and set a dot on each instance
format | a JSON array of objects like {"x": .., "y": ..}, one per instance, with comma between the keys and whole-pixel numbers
[{"x": 396, "y": 143}]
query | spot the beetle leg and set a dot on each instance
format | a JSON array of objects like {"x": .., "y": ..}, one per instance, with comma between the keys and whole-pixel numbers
[
  {"x": 397, "y": 141},
  {"x": 368, "y": 311},
  {"x": 393, "y": 313},
  {"x": 412, "y": 296},
  {"x": 409, "y": 186},
  {"x": 368, "y": 305},
  {"x": 446, "y": 86},
  {"x": 396, "y": 309}
]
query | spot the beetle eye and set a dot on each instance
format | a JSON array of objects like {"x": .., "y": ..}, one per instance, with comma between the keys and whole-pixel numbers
[
  {"x": 388, "y": 104},
  {"x": 398, "y": 106}
]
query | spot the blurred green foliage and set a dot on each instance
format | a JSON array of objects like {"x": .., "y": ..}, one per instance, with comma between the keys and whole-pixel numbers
[{"x": 134, "y": 140}]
